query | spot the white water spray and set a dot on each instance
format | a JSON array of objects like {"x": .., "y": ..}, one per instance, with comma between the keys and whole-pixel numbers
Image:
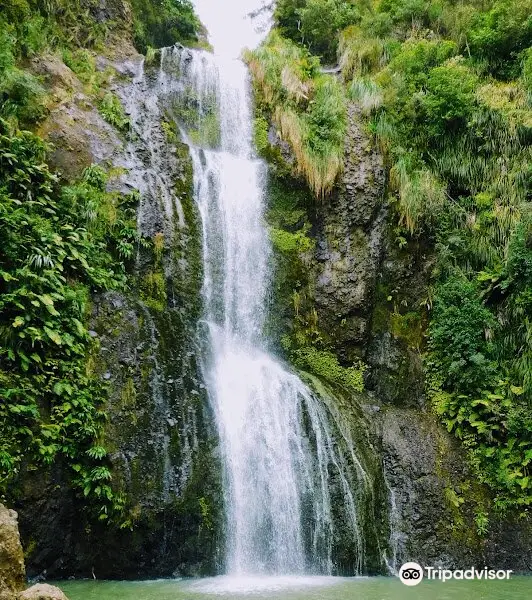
[
  {"x": 291, "y": 472},
  {"x": 277, "y": 444}
]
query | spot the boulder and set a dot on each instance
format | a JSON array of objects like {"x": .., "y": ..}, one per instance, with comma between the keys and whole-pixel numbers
[
  {"x": 12, "y": 572},
  {"x": 42, "y": 591}
]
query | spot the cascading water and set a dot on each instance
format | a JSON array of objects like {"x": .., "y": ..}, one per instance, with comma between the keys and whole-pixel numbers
[
  {"x": 277, "y": 444},
  {"x": 285, "y": 452}
]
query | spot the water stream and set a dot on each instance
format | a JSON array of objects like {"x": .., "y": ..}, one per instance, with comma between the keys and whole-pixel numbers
[
  {"x": 291, "y": 472},
  {"x": 278, "y": 447}
]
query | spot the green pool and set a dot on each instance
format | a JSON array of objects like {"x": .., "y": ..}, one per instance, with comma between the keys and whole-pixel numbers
[{"x": 298, "y": 588}]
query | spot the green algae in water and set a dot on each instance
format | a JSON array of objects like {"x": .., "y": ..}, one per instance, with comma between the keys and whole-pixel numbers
[{"x": 298, "y": 588}]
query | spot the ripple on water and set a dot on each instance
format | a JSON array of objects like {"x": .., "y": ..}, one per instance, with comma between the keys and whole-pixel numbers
[{"x": 226, "y": 585}]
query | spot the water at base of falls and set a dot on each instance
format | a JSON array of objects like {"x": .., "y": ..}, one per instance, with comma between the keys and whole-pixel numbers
[
  {"x": 258, "y": 585},
  {"x": 285, "y": 452},
  {"x": 296, "y": 588}
]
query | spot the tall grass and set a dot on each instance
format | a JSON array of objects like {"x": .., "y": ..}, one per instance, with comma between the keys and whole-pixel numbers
[
  {"x": 422, "y": 196},
  {"x": 307, "y": 107},
  {"x": 366, "y": 93},
  {"x": 359, "y": 54}
]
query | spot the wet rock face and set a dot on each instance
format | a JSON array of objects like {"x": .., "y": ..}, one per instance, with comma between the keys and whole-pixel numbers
[
  {"x": 159, "y": 436},
  {"x": 12, "y": 573},
  {"x": 349, "y": 242},
  {"x": 427, "y": 473},
  {"x": 410, "y": 456}
]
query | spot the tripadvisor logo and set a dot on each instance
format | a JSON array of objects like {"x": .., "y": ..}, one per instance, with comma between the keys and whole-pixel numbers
[{"x": 411, "y": 573}]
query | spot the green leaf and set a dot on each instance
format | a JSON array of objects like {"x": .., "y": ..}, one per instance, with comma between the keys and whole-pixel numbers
[
  {"x": 46, "y": 300},
  {"x": 54, "y": 336},
  {"x": 18, "y": 322}
]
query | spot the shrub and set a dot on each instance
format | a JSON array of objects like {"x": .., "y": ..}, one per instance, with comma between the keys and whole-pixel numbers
[
  {"x": 500, "y": 34},
  {"x": 164, "y": 22},
  {"x": 322, "y": 21},
  {"x": 417, "y": 56},
  {"x": 459, "y": 335},
  {"x": 325, "y": 364},
  {"x": 316, "y": 23},
  {"x": 449, "y": 100}
]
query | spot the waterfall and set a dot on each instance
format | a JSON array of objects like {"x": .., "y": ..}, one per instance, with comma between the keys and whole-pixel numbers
[
  {"x": 277, "y": 444},
  {"x": 291, "y": 472}
]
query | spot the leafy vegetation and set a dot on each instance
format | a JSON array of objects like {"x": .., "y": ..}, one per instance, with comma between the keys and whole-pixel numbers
[
  {"x": 113, "y": 112},
  {"x": 159, "y": 23},
  {"x": 446, "y": 89},
  {"x": 325, "y": 365},
  {"x": 62, "y": 242},
  {"x": 58, "y": 244},
  {"x": 316, "y": 23},
  {"x": 306, "y": 106}
]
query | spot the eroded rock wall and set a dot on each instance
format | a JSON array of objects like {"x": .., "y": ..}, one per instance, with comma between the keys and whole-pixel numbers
[
  {"x": 159, "y": 434},
  {"x": 350, "y": 229}
]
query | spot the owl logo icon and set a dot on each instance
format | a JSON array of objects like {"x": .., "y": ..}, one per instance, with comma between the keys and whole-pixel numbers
[{"x": 411, "y": 573}]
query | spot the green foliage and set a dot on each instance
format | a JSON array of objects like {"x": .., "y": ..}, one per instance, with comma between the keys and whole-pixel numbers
[
  {"x": 472, "y": 394},
  {"x": 57, "y": 244},
  {"x": 75, "y": 26},
  {"x": 41, "y": 23},
  {"x": 308, "y": 108},
  {"x": 21, "y": 97},
  {"x": 260, "y": 134},
  {"x": 287, "y": 18},
  {"x": 112, "y": 111},
  {"x": 322, "y": 20},
  {"x": 159, "y": 23},
  {"x": 82, "y": 62},
  {"x": 449, "y": 99},
  {"x": 325, "y": 365},
  {"x": 21, "y": 94},
  {"x": 498, "y": 35},
  {"x": 287, "y": 242},
  {"x": 482, "y": 523},
  {"x": 447, "y": 88},
  {"x": 526, "y": 76},
  {"x": 460, "y": 335},
  {"x": 316, "y": 23}
]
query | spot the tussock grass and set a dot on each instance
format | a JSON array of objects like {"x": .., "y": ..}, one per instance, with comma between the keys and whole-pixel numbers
[
  {"x": 359, "y": 54},
  {"x": 366, "y": 93},
  {"x": 421, "y": 195},
  {"x": 307, "y": 107}
]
